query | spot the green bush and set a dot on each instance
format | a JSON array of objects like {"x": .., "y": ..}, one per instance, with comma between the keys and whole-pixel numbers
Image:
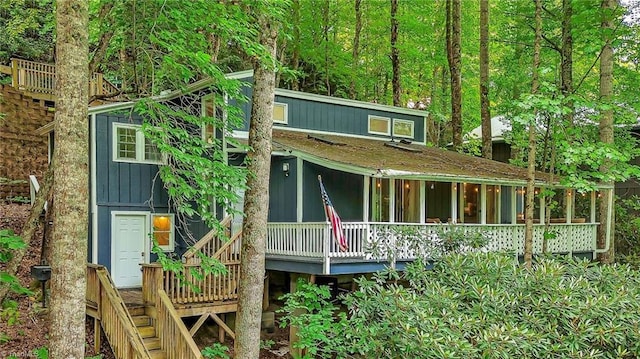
[
  {"x": 627, "y": 233},
  {"x": 477, "y": 306}
]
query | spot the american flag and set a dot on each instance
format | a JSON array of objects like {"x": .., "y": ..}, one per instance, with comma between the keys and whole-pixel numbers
[{"x": 332, "y": 216}]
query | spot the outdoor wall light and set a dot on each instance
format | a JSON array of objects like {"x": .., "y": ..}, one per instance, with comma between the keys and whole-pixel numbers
[{"x": 285, "y": 168}]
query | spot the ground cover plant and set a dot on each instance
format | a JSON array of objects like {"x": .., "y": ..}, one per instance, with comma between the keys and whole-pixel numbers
[{"x": 476, "y": 306}]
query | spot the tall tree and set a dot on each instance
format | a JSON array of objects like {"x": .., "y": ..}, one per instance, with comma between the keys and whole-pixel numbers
[
  {"x": 485, "y": 113},
  {"x": 71, "y": 181},
  {"x": 454, "y": 14},
  {"x": 256, "y": 204},
  {"x": 606, "y": 122},
  {"x": 567, "y": 56},
  {"x": 531, "y": 165},
  {"x": 395, "y": 55},
  {"x": 355, "y": 52}
]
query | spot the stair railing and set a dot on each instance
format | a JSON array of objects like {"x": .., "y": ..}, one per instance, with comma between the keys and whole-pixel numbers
[
  {"x": 175, "y": 338},
  {"x": 105, "y": 302}
]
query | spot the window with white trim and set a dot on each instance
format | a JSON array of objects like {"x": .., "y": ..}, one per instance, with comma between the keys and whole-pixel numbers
[
  {"x": 403, "y": 128},
  {"x": 130, "y": 145},
  {"x": 379, "y": 125},
  {"x": 162, "y": 225},
  {"x": 280, "y": 113}
]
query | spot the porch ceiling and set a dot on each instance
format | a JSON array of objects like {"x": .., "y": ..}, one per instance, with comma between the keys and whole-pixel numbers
[{"x": 398, "y": 160}]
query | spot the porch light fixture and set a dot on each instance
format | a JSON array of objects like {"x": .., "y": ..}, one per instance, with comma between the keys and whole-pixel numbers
[
  {"x": 285, "y": 168},
  {"x": 432, "y": 186}
]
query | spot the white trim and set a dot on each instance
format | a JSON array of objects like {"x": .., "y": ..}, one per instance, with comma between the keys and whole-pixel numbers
[
  {"x": 140, "y": 145},
  {"x": 285, "y": 110},
  {"x": 94, "y": 193},
  {"x": 379, "y": 118},
  {"x": 514, "y": 204},
  {"x": 299, "y": 192},
  {"x": 401, "y": 121},
  {"x": 592, "y": 210}
]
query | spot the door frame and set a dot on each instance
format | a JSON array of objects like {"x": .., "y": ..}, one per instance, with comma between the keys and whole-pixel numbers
[{"x": 146, "y": 243}]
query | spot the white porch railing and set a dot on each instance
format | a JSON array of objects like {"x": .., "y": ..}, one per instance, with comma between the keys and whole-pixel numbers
[{"x": 313, "y": 240}]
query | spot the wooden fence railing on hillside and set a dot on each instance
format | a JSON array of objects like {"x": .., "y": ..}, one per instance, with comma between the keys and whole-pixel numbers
[
  {"x": 105, "y": 304},
  {"x": 39, "y": 80}
]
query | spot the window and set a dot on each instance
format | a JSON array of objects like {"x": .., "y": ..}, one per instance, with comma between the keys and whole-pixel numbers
[
  {"x": 162, "y": 232},
  {"x": 402, "y": 128},
  {"x": 209, "y": 109},
  {"x": 130, "y": 145},
  {"x": 379, "y": 125},
  {"x": 280, "y": 113}
]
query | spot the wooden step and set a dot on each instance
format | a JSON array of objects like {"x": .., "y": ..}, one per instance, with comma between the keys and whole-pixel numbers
[
  {"x": 135, "y": 311},
  {"x": 141, "y": 320},
  {"x": 158, "y": 354},
  {"x": 147, "y": 331},
  {"x": 151, "y": 343}
]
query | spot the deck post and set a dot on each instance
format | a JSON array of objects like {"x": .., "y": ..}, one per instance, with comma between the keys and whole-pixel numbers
[
  {"x": 14, "y": 73},
  {"x": 96, "y": 335}
]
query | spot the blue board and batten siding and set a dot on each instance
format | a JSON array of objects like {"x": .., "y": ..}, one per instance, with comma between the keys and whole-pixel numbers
[
  {"x": 124, "y": 186},
  {"x": 324, "y": 116}
]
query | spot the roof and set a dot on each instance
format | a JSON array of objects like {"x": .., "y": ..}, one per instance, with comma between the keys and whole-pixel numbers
[{"x": 397, "y": 159}]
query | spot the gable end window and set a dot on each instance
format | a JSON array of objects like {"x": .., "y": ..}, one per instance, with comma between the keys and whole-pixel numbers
[
  {"x": 130, "y": 145},
  {"x": 403, "y": 128},
  {"x": 379, "y": 125},
  {"x": 280, "y": 113}
]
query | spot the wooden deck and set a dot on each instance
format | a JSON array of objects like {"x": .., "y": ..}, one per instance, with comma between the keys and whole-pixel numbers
[
  {"x": 38, "y": 80},
  {"x": 147, "y": 322}
]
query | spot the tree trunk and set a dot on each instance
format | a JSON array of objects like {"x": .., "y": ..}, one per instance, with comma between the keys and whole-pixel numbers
[
  {"x": 71, "y": 182},
  {"x": 325, "y": 33},
  {"x": 606, "y": 125},
  {"x": 531, "y": 168},
  {"x": 29, "y": 229},
  {"x": 256, "y": 204},
  {"x": 454, "y": 57},
  {"x": 567, "y": 57},
  {"x": 355, "y": 54},
  {"x": 295, "y": 56},
  {"x": 395, "y": 56},
  {"x": 485, "y": 114}
]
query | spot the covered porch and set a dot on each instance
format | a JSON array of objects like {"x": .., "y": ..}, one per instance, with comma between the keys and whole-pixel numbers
[{"x": 383, "y": 189}]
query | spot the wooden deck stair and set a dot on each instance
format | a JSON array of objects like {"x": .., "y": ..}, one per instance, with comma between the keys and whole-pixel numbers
[
  {"x": 147, "y": 329},
  {"x": 151, "y": 327}
]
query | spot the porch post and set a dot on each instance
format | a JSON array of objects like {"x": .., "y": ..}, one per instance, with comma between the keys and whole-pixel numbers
[
  {"x": 299, "y": 192},
  {"x": 593, "y": 207},
  {"x": 392, "y": 200},
  {"x": 483, "y": 203},
  {"x": 542, "y": 206},
  {"x": 514, "y": 209},
  {"x": 365, "y": 195},
  {"x": 569, "y": 201},
  {"x": 423, "y": 200},
  {"x": 326, "y": 245},
  {"x": 454, "y": 202}
]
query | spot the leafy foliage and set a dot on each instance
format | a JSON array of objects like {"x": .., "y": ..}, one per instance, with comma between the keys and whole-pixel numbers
[
  {"x": 627, "y": 231},
  {"x": 476, "y": 306},
  {"x": 216, "y": 351}
]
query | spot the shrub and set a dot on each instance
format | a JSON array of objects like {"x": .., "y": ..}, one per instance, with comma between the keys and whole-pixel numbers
[{"x": 477, "y": 306}]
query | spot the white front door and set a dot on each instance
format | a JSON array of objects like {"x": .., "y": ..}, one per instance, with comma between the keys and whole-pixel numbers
[{"x": 129, "y": 237}]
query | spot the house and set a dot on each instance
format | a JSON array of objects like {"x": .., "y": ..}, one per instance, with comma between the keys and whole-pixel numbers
[{"x": 376, "y": 170}]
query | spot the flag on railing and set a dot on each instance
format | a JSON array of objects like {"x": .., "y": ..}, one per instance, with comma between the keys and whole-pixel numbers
[{"x": 332, "y": 216}]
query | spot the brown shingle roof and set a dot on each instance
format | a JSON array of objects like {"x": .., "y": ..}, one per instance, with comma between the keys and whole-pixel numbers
[{"x": 398, "y": 159}]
